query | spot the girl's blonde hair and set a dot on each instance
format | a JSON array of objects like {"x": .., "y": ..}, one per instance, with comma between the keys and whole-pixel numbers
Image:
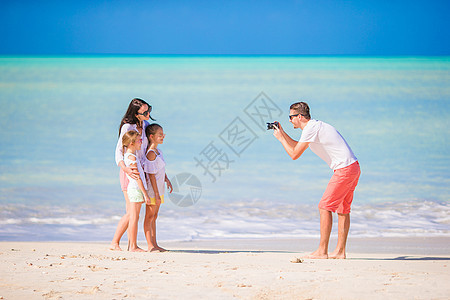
[{"x": 128, "y": 138}]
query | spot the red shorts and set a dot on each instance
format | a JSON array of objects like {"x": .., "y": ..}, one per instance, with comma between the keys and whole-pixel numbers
[
  {"x": 338, "y": 196},
  {"x": 123, "y": 180}
]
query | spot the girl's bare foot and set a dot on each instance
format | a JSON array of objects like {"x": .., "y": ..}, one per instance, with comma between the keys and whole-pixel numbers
[
  {"x": 137, "y": 250},
  {"x": 161, "y": 249},
  {"x": 115, "y": 247},
  {"x": 155, "y": 249}
]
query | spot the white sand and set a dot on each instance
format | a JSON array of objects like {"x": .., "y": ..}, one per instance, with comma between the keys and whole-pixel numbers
[{"x": 209, "y": 271}]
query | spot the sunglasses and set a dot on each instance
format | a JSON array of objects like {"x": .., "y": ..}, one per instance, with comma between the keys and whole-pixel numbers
[
  {"x": 293, "y": 116},
  {"x": 145, "y": 112}
]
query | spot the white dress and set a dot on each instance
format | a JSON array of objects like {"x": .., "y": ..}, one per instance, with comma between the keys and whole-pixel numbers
[{"x": 158, "y": 168}]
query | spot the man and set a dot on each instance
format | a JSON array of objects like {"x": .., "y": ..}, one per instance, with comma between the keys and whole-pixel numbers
[{"x": 325, "y": 141}]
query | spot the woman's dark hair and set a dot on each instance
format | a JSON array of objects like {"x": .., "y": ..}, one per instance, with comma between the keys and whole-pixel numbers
[
  {"x": 152, "y": 129},
  {"x": 132, "y": 111}
]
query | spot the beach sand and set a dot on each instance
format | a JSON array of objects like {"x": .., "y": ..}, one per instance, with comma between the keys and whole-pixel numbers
[{"x": 412, "y": 268}]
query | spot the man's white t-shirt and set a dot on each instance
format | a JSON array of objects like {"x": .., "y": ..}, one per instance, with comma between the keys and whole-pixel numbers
[{"x": 328, "y": 144}]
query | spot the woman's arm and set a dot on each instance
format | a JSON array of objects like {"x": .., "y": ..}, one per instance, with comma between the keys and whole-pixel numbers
[
  {"x": 144, "y": 191},
  {"x": 131, "y": 171},
  {"x": 140, "y": 183}
]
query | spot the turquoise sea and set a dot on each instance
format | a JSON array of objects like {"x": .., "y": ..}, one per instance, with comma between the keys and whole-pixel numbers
[{"x": 59, "y": 119}]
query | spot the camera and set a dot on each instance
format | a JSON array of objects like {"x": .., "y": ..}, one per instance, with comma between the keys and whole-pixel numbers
[{"x": 272, "y": 125}]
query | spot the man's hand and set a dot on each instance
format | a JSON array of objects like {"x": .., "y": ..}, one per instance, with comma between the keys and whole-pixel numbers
[{"x": 278, "y": 131}]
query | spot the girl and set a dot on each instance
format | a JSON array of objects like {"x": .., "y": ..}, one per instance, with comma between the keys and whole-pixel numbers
[
  {"x": 135, "y": 118},
  {"x": 136, "y": 189},
  {"x": 155, "y": 170}
]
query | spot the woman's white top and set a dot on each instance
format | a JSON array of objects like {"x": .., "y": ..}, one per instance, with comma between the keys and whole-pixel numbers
[
  {"x": 133, "y": 183},
  {"x": 158, "y": 168},
  {"x": 140, "y": 153}
]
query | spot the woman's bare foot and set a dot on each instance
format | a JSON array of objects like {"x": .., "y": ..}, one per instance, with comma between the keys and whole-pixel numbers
[
  {"x": 316, "y": 255},
  {"x": 115, "y": 247},
  {"x": 137, "y": 250},
  {"x": 337, "y": 255}
]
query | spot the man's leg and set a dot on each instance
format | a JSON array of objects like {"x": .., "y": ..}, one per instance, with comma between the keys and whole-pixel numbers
[
  {"x": 326, "y": 223},
  {"x": 343, "y": 228}
]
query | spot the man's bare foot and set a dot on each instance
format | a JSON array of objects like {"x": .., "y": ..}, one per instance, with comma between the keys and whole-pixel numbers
[
  {"x": 137, "y": 250},
  {"x": 115, "y": 247},
  {"x": 162, "y": 249},
  {"x": 337, "y": 255},
  {"x": 316, "y": 255}
]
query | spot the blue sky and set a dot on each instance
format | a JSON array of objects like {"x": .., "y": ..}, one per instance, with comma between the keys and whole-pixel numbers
[{"x": 314, "y": 27}]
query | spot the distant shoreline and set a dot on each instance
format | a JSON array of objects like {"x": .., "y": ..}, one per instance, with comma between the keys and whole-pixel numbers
[{"x": 118, "y": 55}]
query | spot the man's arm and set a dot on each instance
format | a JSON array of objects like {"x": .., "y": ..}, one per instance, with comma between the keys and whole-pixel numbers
[{"x": 293, "y": 148}]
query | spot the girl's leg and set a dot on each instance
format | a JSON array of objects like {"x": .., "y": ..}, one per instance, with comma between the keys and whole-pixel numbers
[
  {"x": 135, "y": 208},
  {"x": 149, "y": 229},
  {"x": 154, "y": 228},
  {"x": 122, "y": 226}
]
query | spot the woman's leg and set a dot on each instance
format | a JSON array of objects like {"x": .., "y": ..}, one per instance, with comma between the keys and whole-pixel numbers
[
  {"x": 135, "y": 208},
  {"x": 122, "y": 226}
]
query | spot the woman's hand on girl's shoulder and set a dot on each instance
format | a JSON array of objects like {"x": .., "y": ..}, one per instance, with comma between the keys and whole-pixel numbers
[{"x": 133, "y": 172}]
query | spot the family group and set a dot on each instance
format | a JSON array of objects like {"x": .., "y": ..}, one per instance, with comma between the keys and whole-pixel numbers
[{"x": 142, "y": 175}]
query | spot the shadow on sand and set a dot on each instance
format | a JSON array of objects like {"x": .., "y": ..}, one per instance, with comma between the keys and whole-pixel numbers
[
  {"x": 408, "y": 258},
  {"x": 228, "y": 251}
]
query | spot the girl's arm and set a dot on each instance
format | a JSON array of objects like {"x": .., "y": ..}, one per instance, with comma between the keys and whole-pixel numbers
[
  {"x": 154, "y": 186},
  {"x": 140, "y": 183},
  {"x": 169, "y": 184},
  {"x": 149, "y": 170},
  {"x": 144, "y": 191}
]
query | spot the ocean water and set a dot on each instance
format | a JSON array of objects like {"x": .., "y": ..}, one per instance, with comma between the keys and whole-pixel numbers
[{"x": 59, "y": 119}]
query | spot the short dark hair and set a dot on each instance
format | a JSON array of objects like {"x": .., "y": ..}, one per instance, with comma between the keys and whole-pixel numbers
[
  {"x": 151, "y": 129},
  {"x": 301, "y": 108}
]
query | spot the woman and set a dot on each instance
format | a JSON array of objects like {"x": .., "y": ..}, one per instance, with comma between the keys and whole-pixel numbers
[{"x": 135, "y": 118}]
